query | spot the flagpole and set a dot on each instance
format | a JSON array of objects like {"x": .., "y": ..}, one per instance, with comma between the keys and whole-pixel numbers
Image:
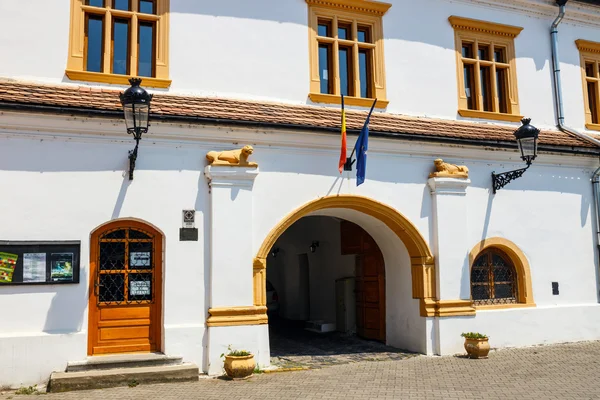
[{"x": 349, "y": 162}]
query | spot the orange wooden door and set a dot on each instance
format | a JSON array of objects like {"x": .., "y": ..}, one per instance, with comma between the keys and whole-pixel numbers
[
  {"x": 125, "y": 289},
  {"x": 370, "y": 281},
  {"x": 370, "y": 296}
]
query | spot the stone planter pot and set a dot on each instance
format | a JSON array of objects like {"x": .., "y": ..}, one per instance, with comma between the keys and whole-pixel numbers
[
  {"x": 477, "y": 348},
  {"x": 239, "y": 367}
]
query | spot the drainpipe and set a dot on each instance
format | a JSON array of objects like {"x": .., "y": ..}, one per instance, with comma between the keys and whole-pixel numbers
[{"x": 560, "y": 111}]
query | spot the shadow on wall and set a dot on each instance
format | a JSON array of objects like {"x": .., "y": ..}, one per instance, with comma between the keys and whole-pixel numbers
[
  {"x": 273, "y": 10},
  {"x": 65, "y": 314},
  {"x": 65, "y": 310},
  {"x": 46, "y": 156}
]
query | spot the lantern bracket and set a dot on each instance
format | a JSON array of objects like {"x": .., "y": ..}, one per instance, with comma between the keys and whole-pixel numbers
[
  {"x": 504, "y": 178},
  {"x": 133, "y": 157}
]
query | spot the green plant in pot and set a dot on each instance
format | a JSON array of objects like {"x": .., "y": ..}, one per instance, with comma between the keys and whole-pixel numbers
[
  {"x": 239, "y": 364},
  {"x": 476, "y": 344}
]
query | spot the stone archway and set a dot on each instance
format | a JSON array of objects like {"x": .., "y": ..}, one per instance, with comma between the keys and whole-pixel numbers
[{"x": 422, "y": 262}]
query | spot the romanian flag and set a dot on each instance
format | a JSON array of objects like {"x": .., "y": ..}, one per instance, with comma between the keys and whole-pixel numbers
[{"x": 343, "y": 155}]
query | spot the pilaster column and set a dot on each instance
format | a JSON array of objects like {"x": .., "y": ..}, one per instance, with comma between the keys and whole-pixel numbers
[
  {"x": 231, "y": 270},
  {"x": 450, "y": 237},
  {"x": 234, "y": 319}
]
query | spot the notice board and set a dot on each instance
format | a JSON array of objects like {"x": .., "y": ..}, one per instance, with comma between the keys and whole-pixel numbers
[{"x": 39, "y": 263}]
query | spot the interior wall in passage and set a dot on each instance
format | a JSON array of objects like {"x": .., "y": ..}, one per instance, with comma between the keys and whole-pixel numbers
[
  {"x": 405, "y": 328},
  {"x": 294, "y": 264}
]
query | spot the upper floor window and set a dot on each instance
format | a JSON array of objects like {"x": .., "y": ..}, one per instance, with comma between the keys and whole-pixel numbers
[
  {"x": 590, "y": 64},
  {"x": 486, "y": 69},
  {"x": 112, "y": 40},
  {"x": 346, "y": 51}
]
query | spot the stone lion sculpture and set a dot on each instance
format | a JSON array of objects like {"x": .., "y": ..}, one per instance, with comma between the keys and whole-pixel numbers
[
  {"x": 238, "y": 158},
  {"x": 443, "y": 169}
]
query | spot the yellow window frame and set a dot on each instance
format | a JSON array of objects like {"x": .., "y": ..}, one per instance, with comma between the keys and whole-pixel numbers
[
  {"x": 590, "y": 53},
  {"x": 358, "y": 13},
  {"x": 476, "y": 31},
  {"x": 76, "y": 58}
]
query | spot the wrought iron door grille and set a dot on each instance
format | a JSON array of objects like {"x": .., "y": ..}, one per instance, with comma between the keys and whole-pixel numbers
[
  {"x": 493, "y": 279},
  {"x": 125, "y": 267}
]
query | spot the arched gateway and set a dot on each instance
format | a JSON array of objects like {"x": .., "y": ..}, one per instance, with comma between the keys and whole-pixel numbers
[{"x": 422, "y": 263}]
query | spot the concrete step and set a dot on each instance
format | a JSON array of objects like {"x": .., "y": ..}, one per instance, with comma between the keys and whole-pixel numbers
[
  {"x": 123, "y": 361},
  {"x": 104, "y": 378}
]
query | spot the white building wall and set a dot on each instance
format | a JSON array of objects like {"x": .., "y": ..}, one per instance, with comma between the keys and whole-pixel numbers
[
  {"x": 68, "y": 177},
  {"x": 63, "y": 190},
  {"x": 259, "y": 50}
]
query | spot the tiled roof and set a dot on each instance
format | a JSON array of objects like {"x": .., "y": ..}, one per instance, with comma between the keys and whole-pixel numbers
[{"x": 166, "y": 105}]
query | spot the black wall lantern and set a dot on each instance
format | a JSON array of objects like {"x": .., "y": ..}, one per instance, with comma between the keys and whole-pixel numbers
[
  {"x": 527, "y": 136},
  {"x": 136, "y": 107}
]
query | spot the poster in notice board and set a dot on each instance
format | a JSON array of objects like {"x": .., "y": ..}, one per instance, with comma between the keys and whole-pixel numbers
[
  {"x": 34, "y": 267},
  {"x": 8, "y": 262},
  {"x": 39, "y": 263}
]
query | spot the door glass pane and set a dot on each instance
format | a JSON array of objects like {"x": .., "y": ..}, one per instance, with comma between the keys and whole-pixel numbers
[
  {"x": 121, "y": 47},
  {"x": 365, "y": 73},
  {"x": 118, "y": 234},
  {"x": 112, "y": 255},
  {"x": 140, "y": 255},
  {"x": 324, "y": 69},
  {"x": 94, "y": 51},
  {"x": 146, "y": 49},
  {"x": 112, "y": 287},
  {"x": 94, "y": 3},
  {"x": 121, "y": 5},
  {"x": 140, "y": 287},
  {"x": 345, "y": 72},
  {"x": 133, "y": 234},
  {"x": 147, "y": 6}
]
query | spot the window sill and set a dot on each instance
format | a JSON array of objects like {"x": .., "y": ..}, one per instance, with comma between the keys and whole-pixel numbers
[
  {"x": 87, "y": 76},
  {"x": 490, "y": 115},
  {"x": 503, "y": 306},
  {"x": 348, "y": 100},
  {"x": 592, "y": 127}
]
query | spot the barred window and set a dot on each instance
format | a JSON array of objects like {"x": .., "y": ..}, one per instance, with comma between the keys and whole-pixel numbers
[{"x": 493, "y": 278}]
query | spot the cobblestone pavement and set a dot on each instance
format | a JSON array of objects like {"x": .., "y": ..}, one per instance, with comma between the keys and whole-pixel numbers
[
  {"x": 293, "y": 346},
  {"x": 568, "y": 371}
]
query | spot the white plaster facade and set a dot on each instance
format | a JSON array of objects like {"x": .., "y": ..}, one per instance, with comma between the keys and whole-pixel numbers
[{"x": 548, "y": 212}]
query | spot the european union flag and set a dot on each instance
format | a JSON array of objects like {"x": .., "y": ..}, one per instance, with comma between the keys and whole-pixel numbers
[{"x": 361, "y": 147}]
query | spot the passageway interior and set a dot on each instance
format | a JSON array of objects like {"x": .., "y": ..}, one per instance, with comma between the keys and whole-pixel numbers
[{"x": 326, "y": 295}]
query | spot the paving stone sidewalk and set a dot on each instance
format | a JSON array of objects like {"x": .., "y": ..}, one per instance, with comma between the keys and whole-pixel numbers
[
  {"x": 292, "y": 346},
  {"x": 567, "y": 371}
]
